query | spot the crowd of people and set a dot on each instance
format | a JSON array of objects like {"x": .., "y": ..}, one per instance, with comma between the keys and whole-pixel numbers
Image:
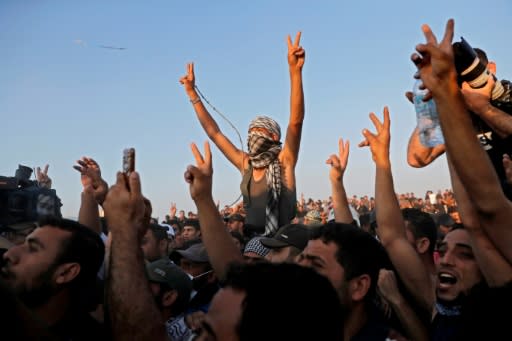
[{"x": 274, "y": 267}]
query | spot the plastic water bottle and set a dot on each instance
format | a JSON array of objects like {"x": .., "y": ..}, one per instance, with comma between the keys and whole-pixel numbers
[{"x": 428, "y": 120}]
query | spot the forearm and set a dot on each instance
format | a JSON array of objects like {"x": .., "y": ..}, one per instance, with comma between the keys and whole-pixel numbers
[
  {"x": 480, "y": 180},
  {"x": 391, "y": 231},
  {"x": 414, "y": 327},
  {"x": 207, "y": 122},
  {"x": 89, "y": 214},
  {"x": 498, "y": 120},
  {"x": 341, "y": 209},
  {"x": 133, "y": 313},
  {"x": 218, "y": 242},
  {"x": 389, "y": 216},
  {"x": 296, "y": 98},
  {"x": 418, "y": 155},
  {"x": 496, "y": 270}
]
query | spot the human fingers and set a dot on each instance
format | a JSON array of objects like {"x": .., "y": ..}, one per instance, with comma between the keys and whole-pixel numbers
[
  {"x": 376, "y": 122},
  {"x": 135, "y": 186},
  {"x": 297, "y": 39},
  {"x": 197, "y": 154},
  {"x": 429, "y": 35},
  {"x": 387, "y": 121},
  {"x": 448, "y": 33}
]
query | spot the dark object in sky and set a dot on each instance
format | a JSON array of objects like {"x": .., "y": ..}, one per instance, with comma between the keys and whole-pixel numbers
[{"x": 112, "y": 47}]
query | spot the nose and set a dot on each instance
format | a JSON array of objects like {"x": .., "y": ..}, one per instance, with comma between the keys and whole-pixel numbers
[
  {"x": 447, "y": 258},
  {"x": 12, "y": 255}
]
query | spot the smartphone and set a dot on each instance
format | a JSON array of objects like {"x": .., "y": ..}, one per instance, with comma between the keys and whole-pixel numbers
[{"x": 128, "y": 161}]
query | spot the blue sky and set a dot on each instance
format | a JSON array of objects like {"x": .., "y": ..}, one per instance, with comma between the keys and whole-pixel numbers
[{"x": 60, "y": 100}]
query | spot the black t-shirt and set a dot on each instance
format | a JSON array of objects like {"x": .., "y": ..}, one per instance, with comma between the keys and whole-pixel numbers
[
  {"x": 491, "y": 142},
  {"x": 79, "y": 327}
]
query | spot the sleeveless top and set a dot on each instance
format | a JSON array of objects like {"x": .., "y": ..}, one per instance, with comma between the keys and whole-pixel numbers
[{"x": 255, "y": 195}]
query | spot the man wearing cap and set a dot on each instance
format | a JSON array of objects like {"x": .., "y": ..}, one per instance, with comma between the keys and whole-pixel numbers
[
  {"x": 287, "y": 244},
  {"x": 196, "y": 263},
  {"x": 255, "y": 251},
  {"x": 171, "y": 288}
]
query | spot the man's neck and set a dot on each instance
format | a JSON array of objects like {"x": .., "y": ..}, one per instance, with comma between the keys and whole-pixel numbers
[
  {"x": 54, "y": 309},
  {"x": 356, "y": 319}
]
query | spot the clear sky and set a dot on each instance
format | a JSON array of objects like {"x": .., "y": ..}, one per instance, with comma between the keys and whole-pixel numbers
[{"x": 63, "y": 97}]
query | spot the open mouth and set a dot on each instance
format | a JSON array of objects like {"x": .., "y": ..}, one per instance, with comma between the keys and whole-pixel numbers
[{"x": 446, "y": 279}]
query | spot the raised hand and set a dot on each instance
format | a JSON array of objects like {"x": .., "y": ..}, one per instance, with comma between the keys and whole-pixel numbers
[
  {"x": 189, "y": 80},
  {"x": 200, "y": 176},
  {"x": 478, "y": 100},
  {"x": 435, "y": 60},
  {"x": 124, "y": 205},
  {"x": 339, "y": 164},
  {"x": 173, "y": 210},
  {"x": 42, "y": 177},
  {"x": 90, "y": 175},
  {"x": 379, "y": 142},
  {"x": 296, "y": 54}
]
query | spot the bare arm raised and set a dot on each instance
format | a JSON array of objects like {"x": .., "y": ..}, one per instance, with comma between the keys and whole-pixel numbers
[
  {"x": 296, "y": 58},
  {"x": 236, "y": 156},
  {"x": 435, "y": 62},
  {"x": 341, "y": 209},
  {"x": 390, "y": 220}
]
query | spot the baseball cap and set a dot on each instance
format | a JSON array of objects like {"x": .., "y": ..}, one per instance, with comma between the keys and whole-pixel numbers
[
  {"x": 289, "y": 235},
  {"x": 165, "y": 272},
  {"x": 195, "y": 253}
]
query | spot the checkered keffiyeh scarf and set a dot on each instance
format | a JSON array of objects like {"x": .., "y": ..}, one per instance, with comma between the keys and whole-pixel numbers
[
  {"x": 263, "y": 152},
  {"x": 254, "y": 245}
]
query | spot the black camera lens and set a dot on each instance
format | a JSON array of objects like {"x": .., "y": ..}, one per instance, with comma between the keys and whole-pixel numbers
[{"x": 469, "y": 67}]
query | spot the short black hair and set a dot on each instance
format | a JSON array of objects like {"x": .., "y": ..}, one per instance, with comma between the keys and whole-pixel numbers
[
  {"x": 358, "y": 252},
  {"x": 422, "y": 225},
  {"x": 84, "y": 247},
  {"x": 298, "y": 303},
  {"x": 159, "y": 231},
  {"x": 192, "y": 222}
]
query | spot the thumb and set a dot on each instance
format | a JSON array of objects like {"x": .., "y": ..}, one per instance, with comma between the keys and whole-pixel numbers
[{"x": 409, "y": 96}]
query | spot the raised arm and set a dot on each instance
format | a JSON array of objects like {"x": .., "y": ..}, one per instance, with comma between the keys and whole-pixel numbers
[
  {"x": 133, "y": 311},
  {"x": 496, "y": 270},
  {"x": 296, "y": 58},
  {"x": 391, "y": 226},
  {"x": 479, "y": 102},
  {"x": 339, "y": 196},
  {"x": 387, "y": 288},
  {"x": 218, "y": 242},
  {"x": 436, "y": 65},
  {"x": 94, "y": 191},
  {"x": 230, "y": 151}
]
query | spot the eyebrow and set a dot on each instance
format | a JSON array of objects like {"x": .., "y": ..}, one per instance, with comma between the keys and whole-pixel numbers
[
  {"x": 313, "y": 258},
  {"x": 462, "y": 245},
  {"x": 33, "y": 240}
]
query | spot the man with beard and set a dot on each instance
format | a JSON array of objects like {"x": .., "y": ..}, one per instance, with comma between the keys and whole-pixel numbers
[
  {"x": 268, "y": 185},
  {"x": 54, "y": 274}
]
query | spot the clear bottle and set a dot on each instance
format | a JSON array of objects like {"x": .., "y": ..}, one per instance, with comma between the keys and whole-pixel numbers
[{"x": 428, "y": 120}]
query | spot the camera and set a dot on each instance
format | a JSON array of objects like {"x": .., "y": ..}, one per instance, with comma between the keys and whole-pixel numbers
[
  {"x": 22, "y": 200},
  {"x": 473, "y": 70}
]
